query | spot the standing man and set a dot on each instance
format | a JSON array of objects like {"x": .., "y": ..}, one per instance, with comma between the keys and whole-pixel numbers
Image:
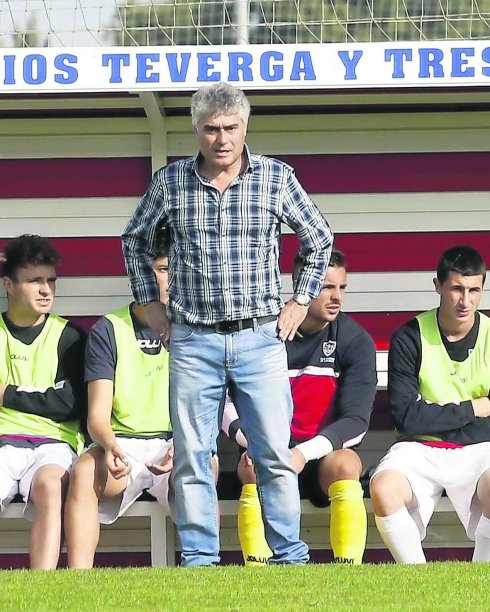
[
  {"x": 225, "y": 207},
  {"x": 332, "y": 370},
  {"x": 41, "y": 394},
  {"x": 438, "y": 386}
]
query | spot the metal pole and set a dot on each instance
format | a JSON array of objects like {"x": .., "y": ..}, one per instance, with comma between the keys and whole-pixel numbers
[{"x": 241, "y": 16}]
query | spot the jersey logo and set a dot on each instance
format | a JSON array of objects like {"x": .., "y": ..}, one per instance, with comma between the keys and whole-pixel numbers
[
  {"x": 149, "y": 344},
  {"x": 329, "y": 347}
]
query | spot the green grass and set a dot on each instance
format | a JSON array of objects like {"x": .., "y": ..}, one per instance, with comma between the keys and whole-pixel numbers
[{"x": 436, "y": 586}]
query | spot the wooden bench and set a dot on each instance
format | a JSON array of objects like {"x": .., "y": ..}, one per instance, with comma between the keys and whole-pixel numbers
[
  {"x": 146, "y": 526},
  {"x": 157, "y": 523}
]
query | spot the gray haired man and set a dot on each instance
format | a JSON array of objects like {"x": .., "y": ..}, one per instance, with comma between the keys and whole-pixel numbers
[{"x": 225, "y": 319}]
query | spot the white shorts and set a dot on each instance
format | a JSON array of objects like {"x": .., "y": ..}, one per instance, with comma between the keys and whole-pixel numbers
[
  {"x": 431, "y": 470},
  {"x": 139, "y": 451},
  {"x": 18, "y": 466}
]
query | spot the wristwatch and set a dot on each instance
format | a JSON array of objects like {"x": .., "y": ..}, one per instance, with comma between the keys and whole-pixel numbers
[{"x": 302, "y": 299}]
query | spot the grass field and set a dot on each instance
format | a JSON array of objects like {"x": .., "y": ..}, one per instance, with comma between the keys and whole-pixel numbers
[{"x": 436, "y": 586}]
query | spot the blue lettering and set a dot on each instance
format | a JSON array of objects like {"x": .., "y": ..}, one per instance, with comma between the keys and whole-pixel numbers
[
  {"x": 399, "y": 56},
  {"x": 34, "y": 69},
  {"x": 431, "y": 58},
  {"x": 350, "y": 64},
  {"x": 485, "y": 55},
  {"x": 302, "y": 65},
  {"x": 205, "y": 65},
  {"x": 143, "y": 67},
  {"x": 178, "y": 74},
  {"x": 269, "y": 71},
  {"x": 9, "y": 78},
  {"x": 460, "y": 60},
  {"x": 62, "y": 62},
  {"x": 240, "y": 62},
  {"x": 115, "y": 61}
]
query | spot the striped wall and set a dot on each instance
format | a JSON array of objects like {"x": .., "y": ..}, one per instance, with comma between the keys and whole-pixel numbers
[{"x": 397, "y": 189}]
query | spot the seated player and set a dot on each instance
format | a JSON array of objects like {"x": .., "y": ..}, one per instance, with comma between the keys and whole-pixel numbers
[
  {"x": 126, "y": 367},
  {"x": 438, "y": 386},
  {"x": 41, "y": 394},
  {"x": 332, "y": 370}
]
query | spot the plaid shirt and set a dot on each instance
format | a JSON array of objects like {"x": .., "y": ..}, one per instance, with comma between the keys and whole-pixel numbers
[{"x": 224, "y": 261}]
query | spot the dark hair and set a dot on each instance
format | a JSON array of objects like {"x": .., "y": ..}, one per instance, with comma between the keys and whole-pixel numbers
[
  {"x": 28, "y": 249},
  {"x": 337, "y": 260},
  {"x": 161, "y": 243},
  {"x": 461, "y": 259}
]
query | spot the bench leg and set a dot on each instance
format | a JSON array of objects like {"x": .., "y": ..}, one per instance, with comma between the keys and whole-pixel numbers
[
  {"x": 158, "y": 528},
  {"x": 170, "y": 527}
]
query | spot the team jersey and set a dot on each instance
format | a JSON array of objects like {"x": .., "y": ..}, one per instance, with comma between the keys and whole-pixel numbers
[
  {"x": 42, "y": 368},
  {"x": 333, "y": 382},
  {"x": 121, "y": 349}
]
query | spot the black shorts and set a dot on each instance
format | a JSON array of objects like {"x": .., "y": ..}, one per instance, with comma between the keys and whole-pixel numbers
[{"x": 309, "y": 485}]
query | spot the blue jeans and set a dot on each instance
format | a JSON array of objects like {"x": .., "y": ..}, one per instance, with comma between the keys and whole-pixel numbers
[{"x": 254, "y": 363}]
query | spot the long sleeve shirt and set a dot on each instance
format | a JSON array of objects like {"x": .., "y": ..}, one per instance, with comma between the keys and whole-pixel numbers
[
  {"x": 66, "y": 400},
  {"x": 333, "y": 384},
  {"x": 224, "y": 262},
  {"x": 413, "y": 415}
]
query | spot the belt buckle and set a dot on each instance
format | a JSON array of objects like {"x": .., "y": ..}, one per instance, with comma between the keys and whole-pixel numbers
[
  {"x": 224, "y": 327},
  {"x": 229, "y": 327}
]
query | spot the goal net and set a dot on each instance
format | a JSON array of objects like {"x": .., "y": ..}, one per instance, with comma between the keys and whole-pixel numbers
[{"x": 53, "y": 23}]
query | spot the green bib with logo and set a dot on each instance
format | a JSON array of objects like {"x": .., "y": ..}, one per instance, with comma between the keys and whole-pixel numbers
[
  {"x": 34, "y": 366},
  {"x": 446, "y": 381},
  {"x": 141, "y": 387}
]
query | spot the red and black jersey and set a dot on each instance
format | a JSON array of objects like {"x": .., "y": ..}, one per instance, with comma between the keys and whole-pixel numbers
[{"x": 333, "y": 382}]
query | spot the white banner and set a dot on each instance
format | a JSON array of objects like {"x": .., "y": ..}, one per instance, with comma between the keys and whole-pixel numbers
[{"x": 267, "y": 67}]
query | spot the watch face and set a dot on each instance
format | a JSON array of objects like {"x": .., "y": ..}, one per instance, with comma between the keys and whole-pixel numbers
[{"x": 302, "y": 299}]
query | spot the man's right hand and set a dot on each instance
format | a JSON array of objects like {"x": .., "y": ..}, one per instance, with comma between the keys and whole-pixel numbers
[
  {"x": 481, "y": 407},
  {"x": 116, "y": 462},
  {"x": 156, "y": 315}
]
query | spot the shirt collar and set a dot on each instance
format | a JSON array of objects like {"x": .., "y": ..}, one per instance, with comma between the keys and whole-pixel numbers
[{"x": 250, "y": 166}]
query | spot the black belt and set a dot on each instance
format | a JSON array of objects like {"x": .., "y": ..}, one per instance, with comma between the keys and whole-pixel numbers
[{"x": 230, "y": 327}]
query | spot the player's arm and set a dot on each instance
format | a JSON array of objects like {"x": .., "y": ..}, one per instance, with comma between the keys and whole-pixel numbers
[
  {"x": 65, "y": 400},
  {"x": 100, "y": 394},
  {"x": 412, "y": 414},
  {"x": 100, "y": 368},
  {"x": 353, "y": 399}
]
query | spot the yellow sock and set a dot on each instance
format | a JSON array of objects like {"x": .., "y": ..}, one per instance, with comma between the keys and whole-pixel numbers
[
  {"x": 348, "y": 521},
  {"x": 251, "y": 528}
]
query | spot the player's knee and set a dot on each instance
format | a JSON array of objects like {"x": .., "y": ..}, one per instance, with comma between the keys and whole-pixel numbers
[
  {"x": 389, "y": 492},
  {"x": 343, "y": 464},
  {"x": 82, "y": 477},
  {"x": 483, "y": 492},
  {"x": 48, "y": 489}
]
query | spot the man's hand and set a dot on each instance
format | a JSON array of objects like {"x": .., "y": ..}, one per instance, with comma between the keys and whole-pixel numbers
[
  {"x": 481, "y": 407},
  {"x": 156, "y": 315},
  {"x": 165, "y": 466},
  {"x": 298, "y": 460},
  {"x": 116, "y": 462},
  {"x": 290, "y": 318}
]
